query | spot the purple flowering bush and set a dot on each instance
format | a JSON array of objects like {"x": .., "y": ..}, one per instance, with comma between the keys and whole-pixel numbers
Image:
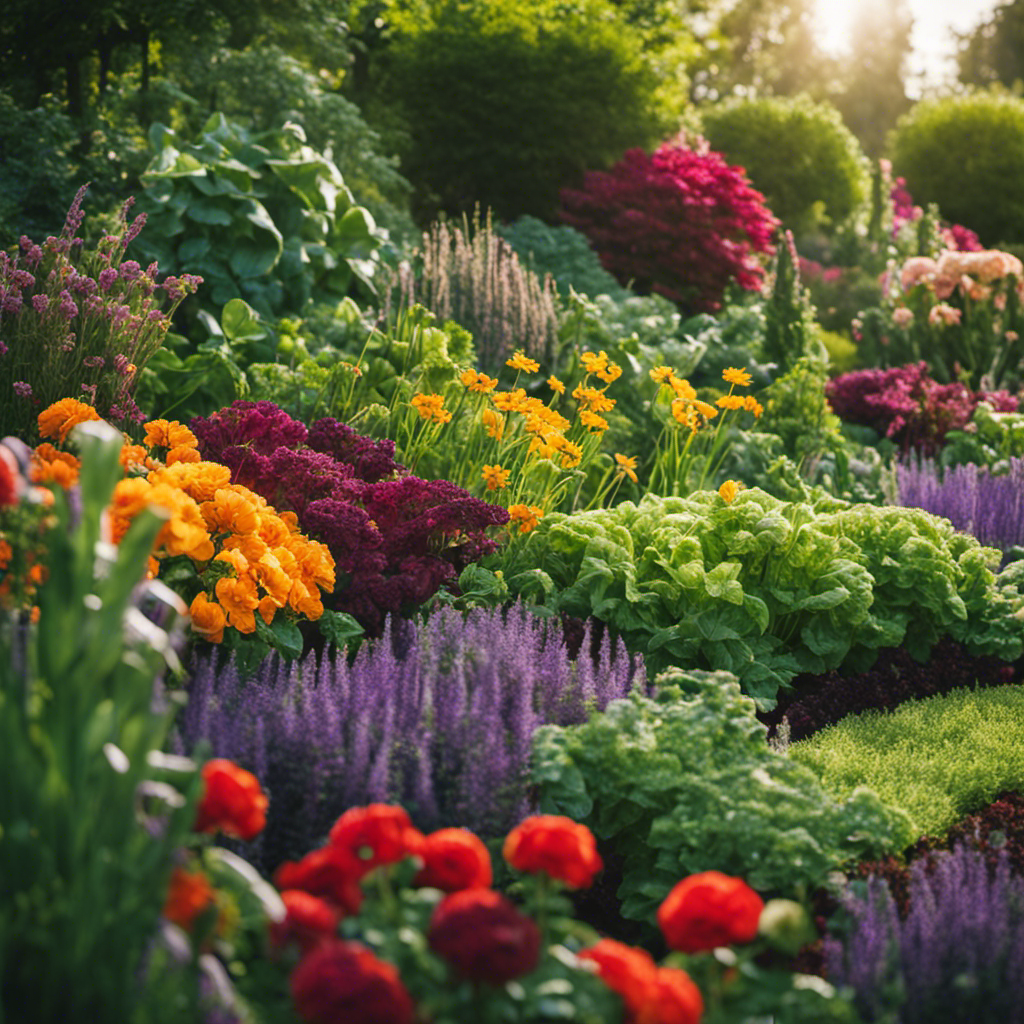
[
  {"x": 973, "y": 498},
  {"x": 907, "y": 406},
  {"x": 396, "y": 539},
  {"x": 79, "y": 323},
  {"x": 438, "y": 717},
  {"x": 957, "y": 956}
]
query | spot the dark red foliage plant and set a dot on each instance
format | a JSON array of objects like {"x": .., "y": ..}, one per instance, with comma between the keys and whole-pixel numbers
[{"x": 680, "y": 222}]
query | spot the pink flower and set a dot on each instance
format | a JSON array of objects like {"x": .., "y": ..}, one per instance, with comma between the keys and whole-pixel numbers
[
  {"x": 902, "y": 317},
  {"x": 943, "y": 314},
  {"x": 916, "y": 270}
]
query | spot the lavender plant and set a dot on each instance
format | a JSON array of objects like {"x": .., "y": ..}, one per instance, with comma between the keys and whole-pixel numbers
[
  {"x": 438, "y": 717},
  {"x": 971, "y": 497},
  {"x": 958, "y": 956},
  {"x": 79, "y": 323}
]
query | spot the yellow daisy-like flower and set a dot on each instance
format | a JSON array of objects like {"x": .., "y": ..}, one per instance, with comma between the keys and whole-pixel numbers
[
  {"x": 520, "y": 361},
  {"x": 707, "y": 411},
  {"x": 496, "y": 477},
  {"x": 610, "y": 374},
  {"x": 728, "y": 491},
  {"x": 734, "y": 375},
  {"x": 682, "y": 388},
  {"x": 751, "y": 404},
  {"x": 509, "y": 401},
  {"x": 592, "y": 421},
  {"x": 572, "y": 454},
  {"x": 542, "y": 446},
  {"x": 594, "y": 363},
  {"x": 626, "y": 466},
  {"x": 478, "y": 382},
  {"x": 431, "y": 408},
  {"x": 494, "y": 423},
  {"x": 525, "y": 517},
  {"x": 731, "y": 402},
  {"x": 556, "y": 385},
  {"x": 662, "y": 374},
  {"x": 593, "y": 399},
  {"x": 684, "y": 414}
]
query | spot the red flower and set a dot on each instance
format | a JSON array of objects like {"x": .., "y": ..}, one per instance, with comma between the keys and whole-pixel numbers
[
  {"x": 557, "y": 846},
  {"x": 189, "y": 894},
  {"x": 329, "y": 873},
  {"x": 677, "y": 1000},
  {"x": 709, "y": 910},
  {"x": 375, "y": 835},
  {"x": 232, "y": 802},
  {"x": 483, "y": 936},
  {"x": 9, "y": 477},
  {"x": 454, "y": 859},
  {"x": 629, "y": 972},
  {"x": 343, "y": 981},
  {"x": 308, "y": 922}
]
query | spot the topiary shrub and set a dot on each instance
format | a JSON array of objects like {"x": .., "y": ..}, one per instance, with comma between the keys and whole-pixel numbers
[
  {"x": 505, "y": 102},
  {"x": 797, "y": 152},
  {"x": 966, "y": 153},
  {"x": 681, "y": 223}
]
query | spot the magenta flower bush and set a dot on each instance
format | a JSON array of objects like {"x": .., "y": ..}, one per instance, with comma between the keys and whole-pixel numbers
[
  {"x": 680, "y": 222},
  {"x": 396, "y": 539},
  {"x": 906, "y": 405}
]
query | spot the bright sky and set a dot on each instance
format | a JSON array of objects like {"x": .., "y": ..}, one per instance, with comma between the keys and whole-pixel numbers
[{"x": 931, "y": 62}]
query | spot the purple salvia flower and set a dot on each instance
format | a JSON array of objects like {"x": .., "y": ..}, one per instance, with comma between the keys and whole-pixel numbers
[
  {"x": 76, "y": 214},
  {"x": 133, "y": 231},
  {"x": 68, "y": 308},
  {"x": 129, "y": 271}
]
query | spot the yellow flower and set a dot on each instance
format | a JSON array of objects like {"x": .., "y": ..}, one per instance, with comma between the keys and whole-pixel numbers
[
  {"x": 626, "y": 465},
  {"x": 684, "y": 414},
  {"x": 478, "y": 382},
  {"x": 594, "y": 363},
  {"x": 728, "y": 491},
  {"x": 751, "y": 404},
  {"x": 682, "y": 388},
  {"x": 431, "y": 408},
  {"x": 526, "y": 517},
  {"x": 593, "y": 399},
  {"x": 556, "y": 385},
  {"x": 169, "y": 434},
  {"x": 208, "y": 618},
  {"x": 509, "y": 401},
  {"x": 519, "y": 361},
  {"x": 592, "y": 421},
  {"x": 731, "y": 402},
  {"x": 662, "y": 374},
  {"x": 733, "y": 375},
  {"x": 610, "y": 374},
  {"x": 496, "y": 477},
  {"x": 542, "y": 447},
  {"x": 494, "y": 423},
  {"x": 572, "y": 454},
  {"x": 709, "y": 412}
]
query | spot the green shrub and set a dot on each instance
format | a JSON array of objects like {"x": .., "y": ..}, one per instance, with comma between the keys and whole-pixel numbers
[
  {"x": 505, "y": 102},
  {"x": 966, "y": 153},
  {"x": 686, "y": 783},
  {"x": 938, "y": 759},
  {"x": 797, "y": 152}
]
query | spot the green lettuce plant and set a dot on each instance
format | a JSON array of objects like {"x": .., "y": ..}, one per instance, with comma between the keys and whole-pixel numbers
[
  {"x": 768, "y": 589},
  {"x": 91, "y": 813},
  {"x": 685, "y": 783}
]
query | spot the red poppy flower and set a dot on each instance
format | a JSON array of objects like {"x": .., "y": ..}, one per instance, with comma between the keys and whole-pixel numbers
[
  {"x": 677, "y": 1000},
  {"x": 232, "y": 801},
  {"x": 627, "y": 971},
  {"x": 309, "y": 920},
  {"x": 709, "y": 910},
  {"x": 557, "y": 846},
  {"x": 454, "y": 859},
  {"x": 329, "y": 873},
  {"x": 375, "y": 835}
]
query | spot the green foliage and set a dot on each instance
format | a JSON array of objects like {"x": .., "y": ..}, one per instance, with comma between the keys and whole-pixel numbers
[
  {"x": 993, "y": 438},
  {"x": 686, "y": 783},
  {"x": 966, "y": 153},
  {"x": 262, "y": 217},
  {"x": 939, "y": 758},
  {"x": 84, "y": 878},
  {"x": 505, "y": 103},
  {"x": 799, "y": 153},
  {"x": 791, "y": 332},
  {"x": 768, "y": 589}
]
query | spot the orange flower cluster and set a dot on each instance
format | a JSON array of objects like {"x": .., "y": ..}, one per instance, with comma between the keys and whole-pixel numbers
[{"x": 689, "y": 411}]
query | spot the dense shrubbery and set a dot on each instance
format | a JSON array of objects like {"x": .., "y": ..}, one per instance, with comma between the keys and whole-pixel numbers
[
  {"x": 938, "y": 147},
  {"x": 798, "y": 153},
  {"x": 680, "y": 223}
]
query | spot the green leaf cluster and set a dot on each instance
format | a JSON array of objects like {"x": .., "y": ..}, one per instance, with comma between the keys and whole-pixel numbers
[
  {"x": 939, "y": 758},
  {"x": 686, "y": 783},
  {"x": 91, "y": 813},
  {"x": 768, "y": 589}
]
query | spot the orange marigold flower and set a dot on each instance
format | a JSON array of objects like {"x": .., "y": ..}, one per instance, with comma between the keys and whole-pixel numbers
[
  {"x": 431, "y": 408},
  {"x": 6, "y": 554},
  {"x": 240, "y": 599},
  {"x": 183, "y": 453},
  {"x": 626, "y": 466},
  {"x": 728, "y": 491},
  {"x": 59, "y": 419},
  {"x": 479, "y": 382},
  {"x": 683, "y": 388},
  {"x": 185, "y": 532},
  {"x": 252, "y": 545},
  {"x": 594, "y": 362},
  {"x": 133, "y": 456},
  {"x": 496, "y": 477},
  {"x": 709, "y": 412},
  {"x": 199, "y": 480},
  {"x": 188, "y": 895},
  {"x": 526, "y": 517},
  {"x": 509, "y": 401},
  {"x": 592, "y": 421},
  {"x": 731, "y": 402},
  {"x": 231, "y": 512},
  {"x": 274, "y": 580},
  {"x": 273, "y": 528},
  {"x": 556, "y": 385},
  {"x": 520, "y": 361},
  {"x": 751, "y": 404},
  {"x": 268, "y": 608},
  {"x": 734, "y": 375},
  {"x": 169, "y": 434},
  {"x": 208, "y": 618},
  {"x": 593, "y": 399},
  {"x": 572, "y": 454},
  {"x": 52, "y": 466}
]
